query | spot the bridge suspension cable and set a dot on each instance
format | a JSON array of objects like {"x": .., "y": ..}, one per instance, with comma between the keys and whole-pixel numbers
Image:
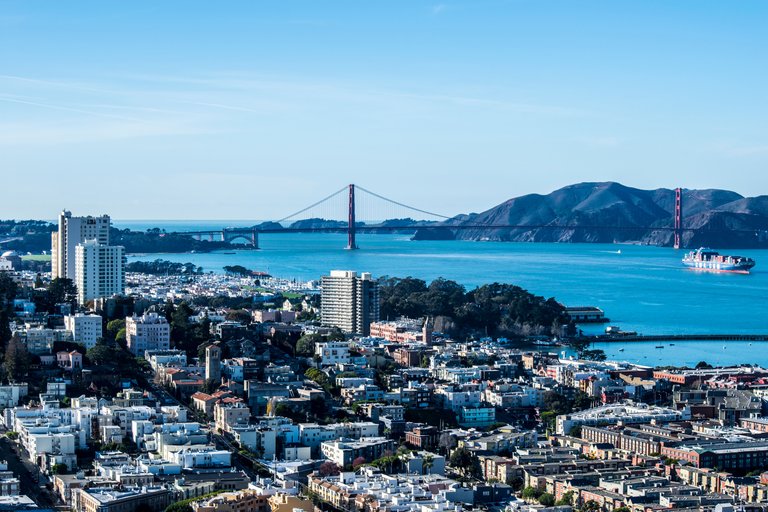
[
  {"x": 432, "y": 214},
  {"x": 331, "y": 196}
]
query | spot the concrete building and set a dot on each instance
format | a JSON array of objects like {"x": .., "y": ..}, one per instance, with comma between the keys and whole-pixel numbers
[
  {"x": 73, "y": 231},
  {"x": 85, "y": 329},
  {"x": 120, "y": 500},
  {"x": 147, "y": 332},
  {"x": 99, "y": 270},
  {"x": 344, "y": 451},
  {"x": 349, "y": 302},
  {"x": 213, "y": 363},
  {"x": 627, "y": 413}
]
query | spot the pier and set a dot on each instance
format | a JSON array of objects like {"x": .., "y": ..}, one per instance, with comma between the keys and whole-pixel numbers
[{"x": 679, "y": 337}]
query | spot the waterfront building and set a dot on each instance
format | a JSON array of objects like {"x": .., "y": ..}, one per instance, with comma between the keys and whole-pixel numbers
[
  {"x": 73, "y": 231},
  {"x": 85, "y": 329},
  {"x": 99, "y": 270},
  {"x": 349, "y": 302},
  {"x": 147, "y": 332}
]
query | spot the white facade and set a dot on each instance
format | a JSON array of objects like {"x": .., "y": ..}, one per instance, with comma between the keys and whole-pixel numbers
[
  {"x": 85, "y": 329},
  {"x": 147, "y": 332},
  {"x": 99, "y": 270},
  {"x": 73, "y": 231},
  {"x": 349, "y": 302}
]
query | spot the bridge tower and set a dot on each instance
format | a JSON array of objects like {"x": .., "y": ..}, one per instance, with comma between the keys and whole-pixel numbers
[
  {"x": 678, "y": 217},
  {"x": 351, "y": 244}
]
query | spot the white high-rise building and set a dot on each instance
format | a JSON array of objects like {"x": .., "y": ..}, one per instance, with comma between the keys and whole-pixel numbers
[
  {"x": 85, "y": 329},
  {"x": 99, "y": 270},
  {"x": 147, "y": 332},
  {"x": 349, "y": 302},
  {"x": 73, "y": 231}
]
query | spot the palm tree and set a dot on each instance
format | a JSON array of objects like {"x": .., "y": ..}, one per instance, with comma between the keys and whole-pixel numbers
[{"x": 427, "y": 462}]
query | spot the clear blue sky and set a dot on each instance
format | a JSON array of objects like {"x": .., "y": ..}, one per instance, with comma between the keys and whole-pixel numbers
[{"x": 252, "y": 109}]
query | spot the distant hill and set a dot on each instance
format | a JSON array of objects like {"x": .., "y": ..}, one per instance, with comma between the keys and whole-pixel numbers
[{"x": 725, "y": 218}]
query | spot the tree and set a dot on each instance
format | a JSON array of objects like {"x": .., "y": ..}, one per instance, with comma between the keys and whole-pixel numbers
[
  {"x": 566, "y": 499},
  {"x": 8, "y": 290},
  {"x": 305, "y": 346},
  {"x": 593, "y": 355},
  {"x": 546, "y": 499},
  {"x": 591, "y": 506},
  {"x": 120, "y": 337},
  {"x": 427, "y": 463},
  {"x": 703, "y": 365},
  {"x": 359, "y": 461},
  {"x": 62, "y": 290},
  {"x": 329, "y": 468},
  {"x": 113, "y": 327},
  {"x": 530, "y": 493},
  {"x": 16, "y": 364},
  {"x": 466, "y": 462},
  {"x": 58, "y": 469},
  {"x": 239, "y": 315}
]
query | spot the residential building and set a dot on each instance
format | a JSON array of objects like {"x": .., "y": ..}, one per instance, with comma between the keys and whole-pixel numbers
[
  {"x": 345, "y": 451},
  {"x": 85, "y": 329},
  {"x": 73, "y": 231},
  {"x": 147, "y": 332},
  {"x": 99, "y": 270},
  {"x": 349, "y": 302}
]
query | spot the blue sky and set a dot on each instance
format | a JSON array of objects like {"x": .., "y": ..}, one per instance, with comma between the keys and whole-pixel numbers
[{"x": 253, "y": 109}]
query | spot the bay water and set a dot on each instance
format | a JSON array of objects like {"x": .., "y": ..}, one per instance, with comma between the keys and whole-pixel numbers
[{"x": 640, "y": 288}]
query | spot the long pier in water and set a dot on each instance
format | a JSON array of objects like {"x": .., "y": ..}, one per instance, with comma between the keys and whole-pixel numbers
[{"x": 679, "y": 337}]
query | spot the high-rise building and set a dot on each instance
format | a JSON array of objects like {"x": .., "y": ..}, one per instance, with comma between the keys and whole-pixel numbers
[
  {"x": 73, "y": 231},
  {"x": 213, "y": 363},
  {"x": 147, "y": 332},
  {"x": 349, "y": 302},
  {"x": 99, "y": 270}
]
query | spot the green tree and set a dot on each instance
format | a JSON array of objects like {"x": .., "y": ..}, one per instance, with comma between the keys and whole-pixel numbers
[
  {"x": 305, "y": 346},
  {"x": 62, "y": 290},
  {"x": 120, "y": 337},
  {"x": 530, "y": 493},
  {"x": 566, "y": 499},
  {"x": 16, "y": 363},
  {"x": 465, "y": 462},
  {"x": 546, "y": 499},
  {"x": 8, "y": 290},
  {"x": 113, "y": 327}
]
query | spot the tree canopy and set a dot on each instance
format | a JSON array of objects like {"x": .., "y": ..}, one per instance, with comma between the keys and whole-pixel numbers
[{"x": 498, "y": 309}]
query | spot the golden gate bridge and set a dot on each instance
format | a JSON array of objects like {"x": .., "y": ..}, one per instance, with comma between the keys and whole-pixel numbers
[{"x": 320, "y": 217}]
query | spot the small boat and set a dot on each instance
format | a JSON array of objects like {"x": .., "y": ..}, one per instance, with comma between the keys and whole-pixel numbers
[
  {"x": 659, "y": 346},
  {"x": 671, "y": 344},
  {"x": 621, "y": 350}
]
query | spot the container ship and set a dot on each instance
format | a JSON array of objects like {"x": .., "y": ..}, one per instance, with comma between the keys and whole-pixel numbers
[{"x": 713, "y": 261}]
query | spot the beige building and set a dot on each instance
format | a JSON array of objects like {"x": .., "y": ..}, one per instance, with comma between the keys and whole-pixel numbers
[
  {"x": 282, "y": 502},
  {"x": 228, "y": 414},
  {"x": 147, "y": 332},
  {"x": 120, "y": 500},
  {"x": 240, "y": 501}
]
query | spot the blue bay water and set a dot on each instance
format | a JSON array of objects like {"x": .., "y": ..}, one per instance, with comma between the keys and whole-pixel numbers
[{"x": 642, "y": 288}]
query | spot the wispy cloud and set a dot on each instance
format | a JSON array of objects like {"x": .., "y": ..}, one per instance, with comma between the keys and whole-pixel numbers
[{"x": 10, "y": 99}]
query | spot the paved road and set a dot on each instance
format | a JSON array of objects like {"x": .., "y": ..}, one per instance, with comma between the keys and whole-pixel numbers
[{"x": 27, "y": 473}]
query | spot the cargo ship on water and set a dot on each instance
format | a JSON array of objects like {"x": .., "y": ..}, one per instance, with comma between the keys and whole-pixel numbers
[{"x": 712, "y": 261}]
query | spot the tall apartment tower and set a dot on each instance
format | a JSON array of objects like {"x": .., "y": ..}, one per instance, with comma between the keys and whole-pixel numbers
[
  {"x": 349, "y": 302},
  {"x": 213, "y": 363},
  {"x": 73, "y": 231},
  {"x": 99, "y": 270}
]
